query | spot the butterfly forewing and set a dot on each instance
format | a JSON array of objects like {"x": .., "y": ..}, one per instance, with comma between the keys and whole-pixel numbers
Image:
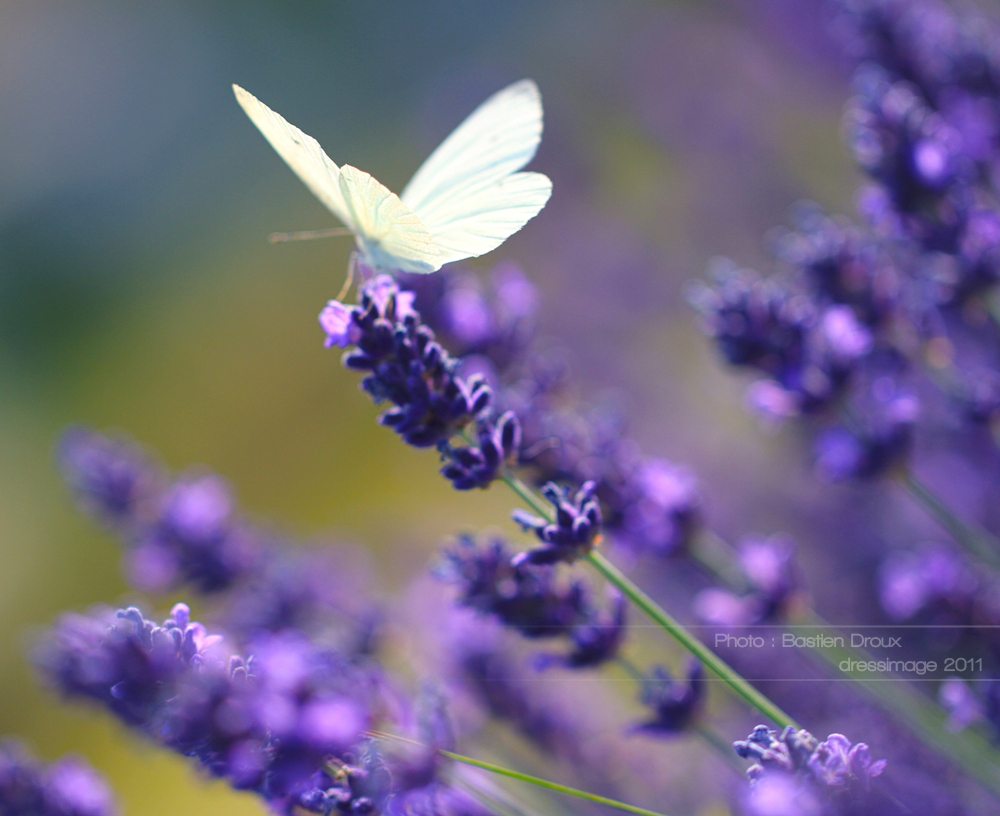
[
  {"x": 300, "y": 151},
  {"x": 390, "y": 234},
  {"x": 497, "y": 139}
]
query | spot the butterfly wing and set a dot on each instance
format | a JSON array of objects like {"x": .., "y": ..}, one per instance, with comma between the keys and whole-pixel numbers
[
  {"x": 468, "y": 194},
  {"x": 301, "y": 152},
  {"x": 390, "y": 234}
]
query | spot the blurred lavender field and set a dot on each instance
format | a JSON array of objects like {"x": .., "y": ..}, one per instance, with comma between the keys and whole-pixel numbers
[{"x": 138, "y": 295}]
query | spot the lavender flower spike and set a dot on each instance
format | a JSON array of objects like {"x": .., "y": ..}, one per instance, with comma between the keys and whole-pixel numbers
[
  {"x": 572, "y": 534},
  {"x": 674, "y": 702},
  {"x": 68, "y": 787},
  {"x": 479, "y": 465},
  {"x": 406, "y": 365},
  {"x": 528, "y": 598},
  {"x": 834, "y": 763},
  {"x": 268, "y": 724}
]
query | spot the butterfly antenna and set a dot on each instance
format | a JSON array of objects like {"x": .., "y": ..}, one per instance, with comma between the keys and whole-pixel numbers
[
  {"x": 306, "y": 235},
  {"x": 542, "y": 445},
  {"x": 350, "y": 276}
]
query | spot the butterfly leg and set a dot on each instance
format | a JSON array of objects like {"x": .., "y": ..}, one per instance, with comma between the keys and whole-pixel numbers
[{"x": 351, "y": 263}]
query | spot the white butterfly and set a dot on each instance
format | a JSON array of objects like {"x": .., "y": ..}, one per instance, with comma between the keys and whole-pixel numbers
[{"x": 466, "y": 199}]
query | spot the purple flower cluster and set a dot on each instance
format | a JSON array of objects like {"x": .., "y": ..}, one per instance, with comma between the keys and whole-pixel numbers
[
  {"x": 267, "y": 724},
  {"x": 773, "y": 581},
  {"x": 649, "y": 504},
  {"x": 405, "y": 365},
  {"x": 826, "y": 338},
  {"x": 674, "y": 702},
  {"x": 834, "y": 770},
  {"x": 431, "y": 401},
  {"x": 183, "y": 532},
  {"x": 528, "y": 599},
  {"x": 574, "y": 532},
  {"x": 188, "y": 532},
  {"x": 65, "y": 788},
  {"x": 924, "y": 124}
]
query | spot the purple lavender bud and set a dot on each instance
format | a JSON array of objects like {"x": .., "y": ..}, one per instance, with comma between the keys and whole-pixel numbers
[
  {"x": 914, "y": 580},
  {"x": 674, "y": 702},
  {"x": 111, "y": 478},
  {"x": 662, "y": 507},
  {"x": 772, "y": 579},
  {"x": 67, "y": 787},
  {"x": 337, "y": 320},
  {"x": 572, "y": 534},
  {"x": 408, "y": 368},
  {"x": 836, "y": 763},
  {"x": 963, "y": 706},
  {"x": 523, "y": 598},
  {"x": 479, "y": 465}
]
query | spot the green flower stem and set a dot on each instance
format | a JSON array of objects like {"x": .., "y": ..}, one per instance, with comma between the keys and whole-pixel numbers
[
  {"x": 709, "y": 659},
  {"x": 528, "y": 778},
  {"x": 545, "y": 783},
  {"x": 715, "y": 664},
  {"x": 977, "y": 541}
]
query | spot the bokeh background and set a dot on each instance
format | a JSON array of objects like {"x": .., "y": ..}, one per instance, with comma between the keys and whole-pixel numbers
[{"x": 138, "y": 292}]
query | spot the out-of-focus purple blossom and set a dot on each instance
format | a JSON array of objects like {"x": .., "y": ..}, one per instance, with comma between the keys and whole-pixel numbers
[
  {"x": 110, "y": 477},
  {"x": 675, "y": 702},
  {"x": 497, "y": 445},
  {"x": 495, "y": 321},
  {"x": 185, "y": 532},
  {"x": 838, "y": 763},
  {"x": 267, "y": 724},
  {"x": 776, "y": 795},
  {"x": 123, "y": 661},
  {"x": 773, "y": 582},
  {"x": 523, "y": 598},
  {"x": 68, "y": 787},
  {"x": 914, "y": 580},
  {"x": 594, "y": 639},
  {"x": 661, "y": 508},
  {"x": 755, "y": 322},
  {"x": 841, "y": 263},
  {"x": 576, "y": 527},
  {"x": 189, "y": 532},
  {"x": 879, "y": 437},
  {"x": 529, "y": 599},
  {"x": 963, "y": 706},
  {"x": 808, "y": 347},
  {"x": 924, "y": 124}
]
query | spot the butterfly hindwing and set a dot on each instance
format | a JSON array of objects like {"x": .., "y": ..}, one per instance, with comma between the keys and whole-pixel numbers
[{"x": 300, "y": 151}]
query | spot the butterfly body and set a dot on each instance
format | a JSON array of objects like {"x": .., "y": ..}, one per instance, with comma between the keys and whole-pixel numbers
[{"x": 465, "y": 200}]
